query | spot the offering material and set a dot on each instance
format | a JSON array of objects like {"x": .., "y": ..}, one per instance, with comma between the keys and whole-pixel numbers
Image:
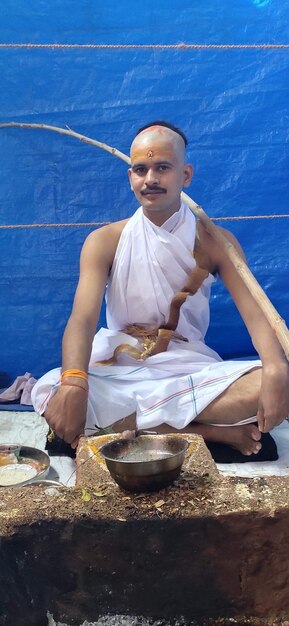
[{"x": 16, "y": 473}]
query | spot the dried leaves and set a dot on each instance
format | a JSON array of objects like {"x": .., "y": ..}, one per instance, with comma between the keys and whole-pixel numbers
[{"x": 86, "y": 495}]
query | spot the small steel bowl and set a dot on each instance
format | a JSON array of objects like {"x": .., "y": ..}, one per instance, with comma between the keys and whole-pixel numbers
[
  {"x": 25, "y": 454},
  {"x": 146, "y": 463}
]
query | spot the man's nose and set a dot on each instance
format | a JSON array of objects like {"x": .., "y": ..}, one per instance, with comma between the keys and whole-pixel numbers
[{"x": 152, "y": 177}]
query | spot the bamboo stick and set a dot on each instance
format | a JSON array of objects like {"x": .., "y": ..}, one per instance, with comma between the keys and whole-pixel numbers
[
  {"x": 275, "y": 320},
  {"x": 70, "y": 133}
]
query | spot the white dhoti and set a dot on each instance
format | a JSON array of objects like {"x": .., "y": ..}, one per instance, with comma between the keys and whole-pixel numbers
[{"x": 151, "y": 265}]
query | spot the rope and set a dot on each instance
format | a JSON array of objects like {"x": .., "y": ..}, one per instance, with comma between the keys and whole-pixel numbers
[
  {"x": 178, "y": 46},
  {"x": 79, "y": 224},
  {"x": 89, "y": 224},
  {"x": 250, "y": 217}
]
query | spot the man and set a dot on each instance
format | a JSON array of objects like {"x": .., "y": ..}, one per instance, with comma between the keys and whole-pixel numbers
[{"x": 145, "y": 261}]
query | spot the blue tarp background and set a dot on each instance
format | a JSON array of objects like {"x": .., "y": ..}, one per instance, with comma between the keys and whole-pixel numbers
[{"x": 231, "y": 102}]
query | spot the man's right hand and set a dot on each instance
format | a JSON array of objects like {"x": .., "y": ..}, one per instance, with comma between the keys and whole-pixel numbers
[{"x": 66, "y": 413}]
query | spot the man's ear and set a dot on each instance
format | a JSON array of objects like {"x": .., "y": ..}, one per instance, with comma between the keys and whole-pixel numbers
[
  {"x": 188, "y": 174},
  {"x": 129, "y": 177}
]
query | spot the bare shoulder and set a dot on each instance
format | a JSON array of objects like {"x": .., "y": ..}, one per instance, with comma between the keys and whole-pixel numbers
[
  {"x": 103, "y": 241},
  {"x": 108, "y": 231},
  {"x": 209, "y": 253}
]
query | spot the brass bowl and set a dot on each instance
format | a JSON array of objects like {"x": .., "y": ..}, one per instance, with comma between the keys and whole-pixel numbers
[{"x": 146, "y": 463}]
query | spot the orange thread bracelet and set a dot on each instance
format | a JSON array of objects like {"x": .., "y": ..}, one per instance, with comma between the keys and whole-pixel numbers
[
  {"x": 74, "y": 385},
  {"x": 74, "y": 374}
]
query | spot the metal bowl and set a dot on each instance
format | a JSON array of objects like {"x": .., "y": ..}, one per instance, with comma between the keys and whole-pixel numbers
[
  {"x": 26, "y": 454},
  {"x": 146, "y": 463}
]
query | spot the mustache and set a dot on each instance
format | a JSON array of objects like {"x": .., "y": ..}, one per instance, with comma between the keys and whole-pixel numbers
[{"x": 148, "y": 190}]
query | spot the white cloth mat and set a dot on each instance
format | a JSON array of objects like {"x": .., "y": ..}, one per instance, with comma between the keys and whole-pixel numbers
[
  {"x": 25, "y": 427},
  {"x": 62, "y": 469}
]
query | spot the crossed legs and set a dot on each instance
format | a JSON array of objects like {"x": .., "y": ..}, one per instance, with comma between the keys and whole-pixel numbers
[{"x": 216, "y": 422}]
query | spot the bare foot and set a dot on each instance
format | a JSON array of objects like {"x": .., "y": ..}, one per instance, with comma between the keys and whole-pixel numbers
[{"x": 245, "y": 438}]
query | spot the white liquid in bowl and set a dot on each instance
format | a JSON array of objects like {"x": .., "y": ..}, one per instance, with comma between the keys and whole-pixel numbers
[{"x": 16, "y": 473}]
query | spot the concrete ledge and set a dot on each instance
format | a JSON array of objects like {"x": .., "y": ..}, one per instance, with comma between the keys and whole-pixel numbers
[{"x": 214, "y": 549}]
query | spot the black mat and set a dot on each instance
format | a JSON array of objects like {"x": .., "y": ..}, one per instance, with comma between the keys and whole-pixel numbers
[
  {"x": 59, "y": 447},
  {"x": 223, "y": 453}
]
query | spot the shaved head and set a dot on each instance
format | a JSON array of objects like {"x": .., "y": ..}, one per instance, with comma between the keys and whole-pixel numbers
[
  {"x": 166, "y": 125},
  {"x": 151, "y": 139}
]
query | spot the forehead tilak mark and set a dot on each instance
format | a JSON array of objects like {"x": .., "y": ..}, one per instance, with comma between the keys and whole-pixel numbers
[{"x": 150, "y": 154}]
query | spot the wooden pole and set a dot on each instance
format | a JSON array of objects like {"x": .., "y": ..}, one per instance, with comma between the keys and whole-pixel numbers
[
  {"x": 70, "y": 133},
  {"x": 275, "y": 320}
]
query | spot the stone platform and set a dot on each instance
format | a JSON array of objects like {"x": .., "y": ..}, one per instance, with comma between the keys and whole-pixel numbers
[{"x": 207, "y": 550}]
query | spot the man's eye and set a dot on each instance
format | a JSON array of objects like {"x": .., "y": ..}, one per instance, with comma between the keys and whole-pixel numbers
[
  {"x": 163, "y": 168},
  {"x": 139, "y": 170}
]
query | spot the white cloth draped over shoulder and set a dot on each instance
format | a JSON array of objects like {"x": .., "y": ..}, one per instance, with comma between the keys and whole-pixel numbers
[{"x": 151, "y": 265}]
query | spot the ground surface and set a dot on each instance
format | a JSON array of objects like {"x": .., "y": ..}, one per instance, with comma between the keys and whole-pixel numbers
[
  {"x": 200, "y": 490},
  {"x": 208, "y": 545}
]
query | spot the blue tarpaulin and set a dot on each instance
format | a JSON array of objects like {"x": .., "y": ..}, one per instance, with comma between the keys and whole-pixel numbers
[{"x": 219, "y": 70}]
